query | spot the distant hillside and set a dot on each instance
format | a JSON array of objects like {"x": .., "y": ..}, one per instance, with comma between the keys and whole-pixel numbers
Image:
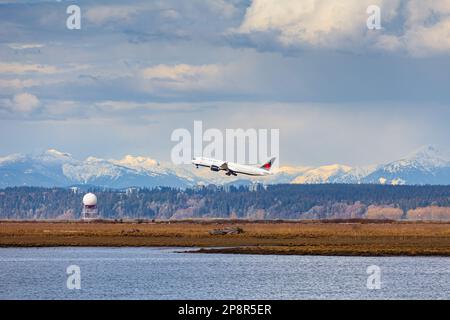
[
  {"x": 53, "y": 168},
  {"x": 321, "y": 201}
]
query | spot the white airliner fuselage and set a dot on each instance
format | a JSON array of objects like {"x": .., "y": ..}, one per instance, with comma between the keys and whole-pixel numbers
[{"x": 232, "y": 168}]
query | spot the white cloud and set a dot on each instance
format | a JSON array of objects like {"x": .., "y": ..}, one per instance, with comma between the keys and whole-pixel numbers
[
  {"x": 108, "y": 13},
  {"x": 24, "y": 68},
  {"x": 24, "y": 103},
  {"x": 24, "y": 46},
  {"x": 170, "y": 14},
  {"x": 63, "y": 109},
  {"x": 178, "y": 72},
  {"x": 428, "y": 27},
  {"x": 419, "y": 12},
  {"x": 15, "y": 84},
  {"x": 423, "y": 26},
  {"x": 180, "y": 76},
  {"x": 318, "y": 23},
  {"x": 389, "y": 43},
  {"x": 222, "y": 7},
  {"x": 20, "y": 68},
  {"x": 18, "y": 83},
  {"x": 111, "y": 107},
  {"x": 423, "y": 41}
]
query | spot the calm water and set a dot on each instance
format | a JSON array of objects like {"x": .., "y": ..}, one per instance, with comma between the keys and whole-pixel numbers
[{"x": 153, "y": 273}]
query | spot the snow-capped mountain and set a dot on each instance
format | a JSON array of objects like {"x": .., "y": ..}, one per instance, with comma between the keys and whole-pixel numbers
[
  {"x": 323, "y": 174},
  {"x": 54, "y": 168},
  {"x": 334, "y": 173},
  {"x": 425, "y": 166},
  {"x": 42, "y": 170}
]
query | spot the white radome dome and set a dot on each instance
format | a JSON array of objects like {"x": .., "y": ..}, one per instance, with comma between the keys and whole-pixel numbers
[{"x": 90, "y": 199}]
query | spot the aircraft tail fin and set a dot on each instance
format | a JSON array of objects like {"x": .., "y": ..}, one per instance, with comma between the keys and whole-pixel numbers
[{"x": 268, "y": 164}]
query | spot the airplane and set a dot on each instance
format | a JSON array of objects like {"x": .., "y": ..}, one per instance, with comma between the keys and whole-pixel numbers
[{"x": 232, "y": 168}]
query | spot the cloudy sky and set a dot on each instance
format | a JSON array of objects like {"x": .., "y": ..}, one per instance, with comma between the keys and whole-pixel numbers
[{"x": 137, "y": 70}]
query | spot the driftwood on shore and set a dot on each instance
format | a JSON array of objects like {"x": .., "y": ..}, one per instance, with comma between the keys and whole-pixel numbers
[{"x": 227, "y": 230}]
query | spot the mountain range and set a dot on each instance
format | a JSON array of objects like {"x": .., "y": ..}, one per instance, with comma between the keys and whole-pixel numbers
[{"x": 54, "y": 168}]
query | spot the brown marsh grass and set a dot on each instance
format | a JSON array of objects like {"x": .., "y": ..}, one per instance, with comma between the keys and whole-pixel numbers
[{"x": 351, "y": 237}]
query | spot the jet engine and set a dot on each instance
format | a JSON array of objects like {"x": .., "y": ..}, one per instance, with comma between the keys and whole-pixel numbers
[{"x": 215, "y": 168}]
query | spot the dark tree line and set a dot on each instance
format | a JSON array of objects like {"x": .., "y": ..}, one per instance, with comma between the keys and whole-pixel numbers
[{"x": 274, "y": 201}]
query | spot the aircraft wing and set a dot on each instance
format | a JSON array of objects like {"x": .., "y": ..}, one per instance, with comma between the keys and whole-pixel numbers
[{"x": 224, "y": 166}]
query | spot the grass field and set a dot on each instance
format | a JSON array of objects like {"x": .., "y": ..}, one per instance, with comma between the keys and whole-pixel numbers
[{"x": 264, "y": 237}]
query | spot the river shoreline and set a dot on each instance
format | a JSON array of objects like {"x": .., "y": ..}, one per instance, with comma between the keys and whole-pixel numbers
[{"x": 348, "y": 238}]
